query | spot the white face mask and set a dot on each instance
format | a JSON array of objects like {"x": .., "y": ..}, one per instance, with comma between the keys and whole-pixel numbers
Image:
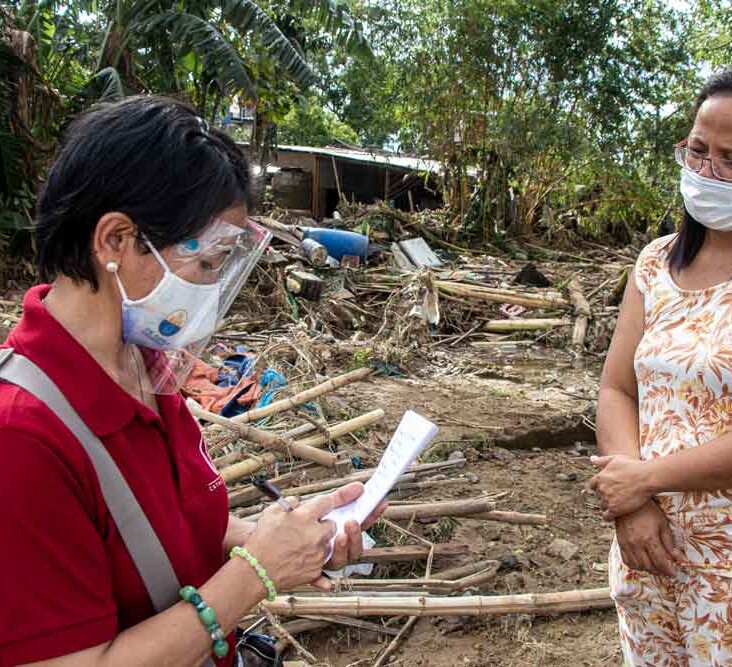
[
  {"x": 707, "y": 200},
  {"x": 174, "y": 315}
]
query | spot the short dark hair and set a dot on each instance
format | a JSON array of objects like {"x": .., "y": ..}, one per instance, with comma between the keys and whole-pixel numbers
[
  {"x": 692, "y": 234},
  {"x": 152, "y": 158}
]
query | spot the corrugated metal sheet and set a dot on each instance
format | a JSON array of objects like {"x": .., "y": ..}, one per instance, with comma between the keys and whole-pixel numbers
[
  {"x": 420, "y": 253},
  {"x": 394, "y": 161}
]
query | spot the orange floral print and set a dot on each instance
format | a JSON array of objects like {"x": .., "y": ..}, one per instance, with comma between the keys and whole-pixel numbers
[{"x": 683, "y": 368}]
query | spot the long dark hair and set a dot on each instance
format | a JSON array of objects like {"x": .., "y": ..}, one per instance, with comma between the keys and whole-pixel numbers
[{"x": 692, "y": 234}]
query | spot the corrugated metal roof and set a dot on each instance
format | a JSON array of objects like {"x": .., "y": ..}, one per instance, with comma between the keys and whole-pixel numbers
[{"x": 395, "y": 161}]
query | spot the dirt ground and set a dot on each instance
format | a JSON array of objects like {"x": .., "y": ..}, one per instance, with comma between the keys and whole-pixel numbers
[{"x": 522, "y": 424}]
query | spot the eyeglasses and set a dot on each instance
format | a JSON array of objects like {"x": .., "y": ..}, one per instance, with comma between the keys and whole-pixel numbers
[{"x": 686, "y": 157}]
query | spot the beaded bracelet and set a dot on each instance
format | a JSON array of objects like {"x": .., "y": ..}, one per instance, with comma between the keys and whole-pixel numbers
[
  {"x": 208, "y": 618},
  {"x": 241, "y": 552}
]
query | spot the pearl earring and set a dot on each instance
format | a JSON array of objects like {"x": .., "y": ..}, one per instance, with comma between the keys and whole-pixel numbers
[{"x": 112, "y": 267}]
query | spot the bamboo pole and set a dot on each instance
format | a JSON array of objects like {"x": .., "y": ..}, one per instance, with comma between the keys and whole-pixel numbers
[
  {"x": 405, "y": 629},
  {"x": 355, "y": 623},
  {"x": 480, "y": 293},
  {"x": 472, "y": 605},
  {"x": 426, "y": 584},
  {"x": 344, "y": 428},
  {"x": 303, "y": 397},
  {"x": 513, "y": 517},
  {"x": 581, "y": 311},
  {"x": 412, "y": 552},
  {"x": 252, "y": 494},
  {"x": 267, "y": 440},
  {"x": 463, "y": 507},
  {"x": 505, "y": 326},
  {"x": 250, "y": 466},
  {"x": 477, "y": 509}
]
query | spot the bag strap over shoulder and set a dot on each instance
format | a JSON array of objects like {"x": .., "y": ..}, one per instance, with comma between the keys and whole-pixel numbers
[{"x": 138, "y": 535}]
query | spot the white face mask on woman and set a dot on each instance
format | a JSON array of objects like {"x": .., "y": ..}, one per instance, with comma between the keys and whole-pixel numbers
[
  {"x": 707, "y": 200},
  {"x": 174, "y": 315}
]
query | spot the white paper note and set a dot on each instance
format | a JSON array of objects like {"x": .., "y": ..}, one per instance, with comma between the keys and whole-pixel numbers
[{"x": 411, "y": 438}]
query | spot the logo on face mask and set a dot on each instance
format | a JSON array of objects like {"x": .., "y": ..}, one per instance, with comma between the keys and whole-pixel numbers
[{"x": 173, "y": 323}]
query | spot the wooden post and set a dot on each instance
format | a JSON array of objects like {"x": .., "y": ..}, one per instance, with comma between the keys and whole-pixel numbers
[
  {"x": 316, "y": 188},
  {"x": 341, "y": 198}
]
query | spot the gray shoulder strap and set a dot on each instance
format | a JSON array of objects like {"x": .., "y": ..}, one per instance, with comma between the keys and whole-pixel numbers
[{"x": 143, "y": 544}]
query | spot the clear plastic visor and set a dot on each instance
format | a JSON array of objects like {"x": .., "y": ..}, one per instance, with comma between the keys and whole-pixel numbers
[{"x": 208, "y": 274}]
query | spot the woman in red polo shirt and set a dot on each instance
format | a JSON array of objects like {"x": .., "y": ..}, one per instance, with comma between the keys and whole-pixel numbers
[{"x": 143, "y": 236}]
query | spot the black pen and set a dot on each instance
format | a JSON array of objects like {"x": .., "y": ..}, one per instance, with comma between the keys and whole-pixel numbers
[{"x": 271, "y": 491}]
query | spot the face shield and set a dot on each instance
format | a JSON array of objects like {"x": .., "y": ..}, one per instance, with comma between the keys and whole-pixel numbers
[{"x": 201, "y": 278}]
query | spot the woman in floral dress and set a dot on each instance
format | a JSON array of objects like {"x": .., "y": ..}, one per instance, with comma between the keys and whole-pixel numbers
[{"x": 665, "y": 419}]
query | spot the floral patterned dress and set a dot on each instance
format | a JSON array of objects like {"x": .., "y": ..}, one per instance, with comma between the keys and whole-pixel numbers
[{"x": 683, "y": 368}]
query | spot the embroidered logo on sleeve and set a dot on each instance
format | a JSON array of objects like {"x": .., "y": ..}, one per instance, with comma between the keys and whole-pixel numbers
[{"x": 217, "y": 481}]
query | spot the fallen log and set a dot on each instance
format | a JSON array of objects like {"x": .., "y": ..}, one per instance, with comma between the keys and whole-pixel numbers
[
  {"x": 471, "y": 605},
  {"x": 250, "y": 466}
]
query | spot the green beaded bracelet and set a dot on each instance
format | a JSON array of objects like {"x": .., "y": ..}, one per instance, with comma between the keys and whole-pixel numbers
[
  {"x": 241, "y": 552},
  {"x": 208, "y": 618}
]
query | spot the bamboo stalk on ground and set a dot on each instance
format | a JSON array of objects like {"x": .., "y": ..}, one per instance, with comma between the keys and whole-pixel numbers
[
  {"x": 465, "y": 570},
  {"x": 303, "y": 397},
  {"x": 266, "y": 439},
  {"x": 475, "y": 509},
  {"x": 251, "y": 466},
  {"x": 355, "y": 623},
  {"x": 238, "y": 455},
  {"x": 389, "y": 650},
  {"x": 412, "y": 552},
  {"x": 518, "y": 518},
  {"x": 344, "y": 428},
  {"x": 507, "y": 326},
  {"x": 284, "y": 635},
  {"x": 472, "y": 605},
  {"x": 481, "y": 293},
  {"x": 582, "y": 313},
  {"x": 252, "y": 494},
  {"x": 425, "y": 583}
]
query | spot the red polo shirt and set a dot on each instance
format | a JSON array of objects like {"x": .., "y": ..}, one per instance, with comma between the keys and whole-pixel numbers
[{"x": 67, "y": 581}]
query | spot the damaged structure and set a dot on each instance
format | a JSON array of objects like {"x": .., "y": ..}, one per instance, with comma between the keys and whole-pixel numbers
[{"x": 312, "y": 180}]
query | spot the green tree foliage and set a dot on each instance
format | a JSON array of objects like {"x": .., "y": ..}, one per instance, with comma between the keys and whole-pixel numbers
[
  {"x": 56, "y": 58},
  {"x": 567, "y": 109}
]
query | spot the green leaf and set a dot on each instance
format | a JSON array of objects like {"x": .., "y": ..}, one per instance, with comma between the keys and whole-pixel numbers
[
  {"x": 216, "y": 52},
  {"x": 247, "y": 16}
]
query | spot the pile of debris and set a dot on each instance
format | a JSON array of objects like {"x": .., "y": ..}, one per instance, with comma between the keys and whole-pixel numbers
[
  {"x": 306, "y": 453},
  {"x": 383, "y": 280}
]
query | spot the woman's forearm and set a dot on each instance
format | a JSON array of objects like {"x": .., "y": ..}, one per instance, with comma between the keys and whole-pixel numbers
[
  {"x": 617, "y": 423},
  {"x": 707, "y": 467},
  {"x": 176, "y": 637}
]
